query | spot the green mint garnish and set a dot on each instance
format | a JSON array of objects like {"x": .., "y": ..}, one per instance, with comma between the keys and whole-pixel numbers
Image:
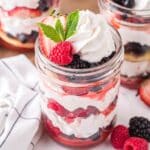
[
  {"x": 58, "y": 33},
  {"x": 50, "y": 32},
  {"x": 72, "y": 22},
  {"x": 60, "y": 30}
]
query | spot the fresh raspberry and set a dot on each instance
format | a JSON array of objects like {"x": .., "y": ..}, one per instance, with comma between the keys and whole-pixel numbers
[
  {"x": 61, "y": 54},
  {"x": 119, "y": 135},
  {"x": 134, "y": 143}
]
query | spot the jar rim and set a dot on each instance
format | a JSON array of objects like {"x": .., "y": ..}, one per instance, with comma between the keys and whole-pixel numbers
[
  {"x": 125, "y": 8},
  {"x": 61, "y": 69}
]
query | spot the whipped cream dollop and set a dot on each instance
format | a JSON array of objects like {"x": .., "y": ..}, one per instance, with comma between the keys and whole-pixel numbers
[
  {"x": 93, "y": 39},
  {"x": 11, "y": 4}
]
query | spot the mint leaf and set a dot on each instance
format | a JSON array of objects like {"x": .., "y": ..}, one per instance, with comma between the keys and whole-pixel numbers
[
  {"x": 72, "y": 22},
  {"x": 60, "y": 30},
  {"x": 50, "y": 32}
]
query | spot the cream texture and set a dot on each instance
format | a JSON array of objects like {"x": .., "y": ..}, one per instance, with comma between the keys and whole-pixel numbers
[
  {"x": 11, "y": 4},
  {"x": 93, "y": 39},
  {"x": 133, "y": 69},
  {"x": 130, "y": 35},
  {"x": 15, "y": 25}
]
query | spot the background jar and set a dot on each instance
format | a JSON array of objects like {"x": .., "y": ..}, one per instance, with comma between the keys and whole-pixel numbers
[
  {"x": 134, "y": 28},
  {"x": 79, "y": 105},
  {"x": 18, "y": 22}
]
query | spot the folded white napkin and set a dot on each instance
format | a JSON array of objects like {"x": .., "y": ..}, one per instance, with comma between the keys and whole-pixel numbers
[{"x": 20, "y": 112}]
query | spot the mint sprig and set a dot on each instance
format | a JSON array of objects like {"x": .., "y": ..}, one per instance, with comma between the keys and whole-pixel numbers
[
  {"x": 50, "y": 32},
  {"x": 72, "y": 22},
  {"x": 58, "y": 33},
  {"x": 60, "y": 30}
]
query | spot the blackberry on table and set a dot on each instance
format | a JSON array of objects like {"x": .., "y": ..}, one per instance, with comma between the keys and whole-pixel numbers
[{"x": 140, "y": 127}]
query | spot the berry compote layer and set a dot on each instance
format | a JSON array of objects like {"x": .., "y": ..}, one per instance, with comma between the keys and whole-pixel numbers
[
  {"x": 79, "y": 99},
  {"x": 18, "y": 21},
  {"x": 131, "y": 18}
]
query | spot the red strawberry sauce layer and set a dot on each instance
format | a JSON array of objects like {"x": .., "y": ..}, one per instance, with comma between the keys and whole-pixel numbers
[
  {"x": 71, "y": 140},
  {"x": 69, "y": 116}
]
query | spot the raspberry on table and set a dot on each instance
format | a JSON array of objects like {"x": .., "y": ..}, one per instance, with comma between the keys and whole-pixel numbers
[
  {"x": 119, "y": 135},
  {"x": 134, "y": 143},
  {"x": 140, "y": 127}
]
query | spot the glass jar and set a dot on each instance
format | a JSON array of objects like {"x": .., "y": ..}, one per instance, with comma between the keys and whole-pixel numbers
[
  {"x": 18, "y": 22},
  {"x": 134, "y": 28},
  {"x": 79, "y": 105}
]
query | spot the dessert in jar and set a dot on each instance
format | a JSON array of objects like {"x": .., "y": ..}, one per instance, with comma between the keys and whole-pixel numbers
[
  {"x": 18, "y": 22},
  {"x": 78, "y": 58},
  {"x": 132, "y": 19}
]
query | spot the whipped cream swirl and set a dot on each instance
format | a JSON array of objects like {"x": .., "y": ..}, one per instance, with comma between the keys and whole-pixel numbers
[
  {"x": 11, "y": 4},
  {"x": 93, "y": 39}
]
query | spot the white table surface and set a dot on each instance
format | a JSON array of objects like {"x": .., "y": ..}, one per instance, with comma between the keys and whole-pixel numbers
[{"x": 129, "y": 105}]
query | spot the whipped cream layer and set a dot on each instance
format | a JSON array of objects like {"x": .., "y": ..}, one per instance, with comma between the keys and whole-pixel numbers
[
  {"x": 72, "y": 102},
  {"x": 80, "y": 127},
  {"x": 141, "y": 5},
  {"x": 134, "y": 69},
  {"x": 15, "y": 25},
  {"x": 11, "y": 4},
  {"x": 93, "y": 39},
  {"x": 130, "y": 35}
]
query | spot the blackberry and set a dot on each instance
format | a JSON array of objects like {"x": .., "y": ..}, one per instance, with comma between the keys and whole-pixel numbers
[
  {"x": 77, "y": 63},
  {"x": 43, "y": 5},
  {"x": 140, "y": 127},
  {"x": 22, "y": 37},
  {"x": 126, "y": 3},
  {"x": 135, "y": 48}
]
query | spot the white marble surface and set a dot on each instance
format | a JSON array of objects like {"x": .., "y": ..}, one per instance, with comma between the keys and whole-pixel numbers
[{"x": 129, "y": 105}]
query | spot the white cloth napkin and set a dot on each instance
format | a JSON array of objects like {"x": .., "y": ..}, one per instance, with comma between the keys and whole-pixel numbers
[{"x": 20, "y": 112}]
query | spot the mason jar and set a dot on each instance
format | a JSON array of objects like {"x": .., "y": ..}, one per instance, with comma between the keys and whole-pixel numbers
[
  {"x": 18, "y": 22},
  {"x": 133, "y": 25},
  {"x": 79, "y": 105}
]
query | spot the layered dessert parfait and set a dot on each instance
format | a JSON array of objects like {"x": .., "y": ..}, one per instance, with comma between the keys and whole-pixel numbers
[
  {"x": 78, "y": 57},
  {"x": 132, "y": 19},
  {"x": 18, "y": 21}
]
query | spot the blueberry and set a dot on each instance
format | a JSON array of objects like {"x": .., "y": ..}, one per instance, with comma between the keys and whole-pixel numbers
[
  {"x": 96, "y": 136},
  {"x": 23, "y": 38},
  {"x": 33, "y": 35},
  {"x": 10, "y": 35},
  {"x": 126, "y": 3},
  {"x": 96, "y": 88},
  {"x": 43, "y": 5},
  {"x": 134, "y": 48}
]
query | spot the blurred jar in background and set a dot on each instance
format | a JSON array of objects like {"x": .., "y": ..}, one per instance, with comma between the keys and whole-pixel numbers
[
  {"x": 132, "y": 19},
  {"x": 18, "y": 22}
]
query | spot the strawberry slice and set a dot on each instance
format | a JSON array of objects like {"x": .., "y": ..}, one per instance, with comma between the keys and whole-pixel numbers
[
  {"x": 47, "y": 44},
  {"x": 24, "y": 12},
  {"x": 144, "y": 92}
]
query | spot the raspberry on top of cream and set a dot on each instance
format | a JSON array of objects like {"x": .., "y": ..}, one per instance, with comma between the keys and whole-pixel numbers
[
  {"x": 11, "y": 4},
  {"x": 93, "y": 39}
]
